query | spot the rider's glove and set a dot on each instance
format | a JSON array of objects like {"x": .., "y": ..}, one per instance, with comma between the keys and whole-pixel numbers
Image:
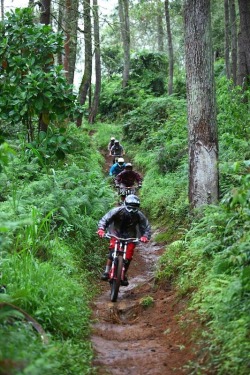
[
  {"x": 101, "y": 233},
  {"x": 144, "y": 239},
  {"x": 139, "y": 186},
  {"x": 117, "y": 186}
]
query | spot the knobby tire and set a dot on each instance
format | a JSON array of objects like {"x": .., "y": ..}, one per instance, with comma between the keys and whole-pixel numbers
[{"x": 116, "y": 282}]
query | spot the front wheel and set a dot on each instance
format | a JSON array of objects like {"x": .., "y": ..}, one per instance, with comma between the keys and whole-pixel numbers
[{"x": 116, "y": 282}]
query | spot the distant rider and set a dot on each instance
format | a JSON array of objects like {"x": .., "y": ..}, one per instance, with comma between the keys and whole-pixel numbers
[
  {"x": 125, "y": 222},
  {"x": 117, "y": 150},
  {"x": 128, "y": 177},
  {"x": 117, "y": 167},
  {"x": 111, "y": 143}
]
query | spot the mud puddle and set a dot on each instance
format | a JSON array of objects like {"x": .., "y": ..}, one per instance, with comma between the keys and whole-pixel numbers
[{"x": 131, "y": 337}]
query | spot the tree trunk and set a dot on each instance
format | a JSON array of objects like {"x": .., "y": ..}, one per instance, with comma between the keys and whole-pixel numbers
[
  {"x": 244, "y": 43},
  {"x": 45, "y": 12},
  {"x": 125, "y": 33},
  {"x": 94, "y": 108},
  {"x": 170, "y": 50},
  {"x": 2, "y": 10},
  {"x": 203, "y": 143},
  {"x": 160, "y": 32},
  {"x": 86, "y": 79},
  {"x": 227, "y": 39},
  {"x": 233, "y": 23},
  {"x": 44, "y": 19},
  {"x": 70, "y": 46},
  {"x": 60, "y": 28}
]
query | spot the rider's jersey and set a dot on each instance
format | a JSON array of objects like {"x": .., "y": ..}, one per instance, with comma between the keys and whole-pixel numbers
[
  {"x": 128, "y": 178},
  {"x": 116, "y": 150},
  {"x": 116, "y": 169},
  {"x": 122, "y": 223}
]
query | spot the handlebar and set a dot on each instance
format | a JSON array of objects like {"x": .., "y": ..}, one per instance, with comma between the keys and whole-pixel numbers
[{"x": 130, "y": 239}]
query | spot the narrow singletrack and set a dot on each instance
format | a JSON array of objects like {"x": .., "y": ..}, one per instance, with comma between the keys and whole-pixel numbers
[{"x": 132, "y": 339}]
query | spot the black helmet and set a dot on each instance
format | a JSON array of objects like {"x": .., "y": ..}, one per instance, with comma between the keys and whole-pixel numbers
[{"x": 132, "y": 203}]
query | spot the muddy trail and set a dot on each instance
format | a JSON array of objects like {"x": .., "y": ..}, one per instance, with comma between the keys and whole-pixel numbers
[{"x": 133, "y": 337}]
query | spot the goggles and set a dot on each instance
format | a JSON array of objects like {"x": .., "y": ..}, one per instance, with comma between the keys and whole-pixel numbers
[{"x": 131, "y": 208}]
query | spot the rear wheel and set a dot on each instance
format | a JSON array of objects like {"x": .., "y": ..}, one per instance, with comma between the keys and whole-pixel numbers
[{"x": 116, "y": 282}]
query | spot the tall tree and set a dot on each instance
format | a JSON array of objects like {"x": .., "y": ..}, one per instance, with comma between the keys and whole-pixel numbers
[
  {"x": 44, "y": 19},
  {"x": 233, "y": 23},
  {"x": 70, "y": 22},
  {"x": 244, "y": 43},
  {"x": 227, "y": 39},
  {"x": 170, "y": 49},
  {"x": 203, "y": 143},
  {"x": 87, "y": 75},
  {"x": 95, "y": 105},
  {"x": 2, "y": 10},
  {"x": 125, "y": 33},
  {"x": 160, "y": 31},
  {"x": 45, "y": 11}
]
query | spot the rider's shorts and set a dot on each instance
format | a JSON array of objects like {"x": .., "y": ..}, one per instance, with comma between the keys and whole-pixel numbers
[{"x": 130, "y": 248}]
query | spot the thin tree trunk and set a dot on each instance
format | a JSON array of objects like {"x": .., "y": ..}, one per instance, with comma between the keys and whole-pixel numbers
[
  {"x": 227, "y": 39},
  {"x": 44, "y": 19},
  {"x": 2, "y": 10},
  {"x": 203, "y": 142},
  {"x": 86, "y": 79},
  {"x": 60, "y": 28},
  {"x": 170, "y": 50},
  {"x": 125, "y": 33},
  {"x": 233, "y": 23},
  {"x": 160, "y": 32},
  {"x": 95, "y": 106},
  {"x": 244, "y": 43}
]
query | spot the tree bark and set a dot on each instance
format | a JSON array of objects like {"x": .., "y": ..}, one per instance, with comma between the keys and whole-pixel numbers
[
  {"x": 203, "y": 142},
  {"x": 45, "y": 12},
  {"x": 227, "y": 39},
  {"x": 44, "y": 19},
  {"x": 244, "y": 43},
  {"x": 86, "y": 79},
  {"x": 2, "y": 10},
  {"x": 170, "y": 50},
  {"x": 233, "y": 23},
  {"x": 96, "y": 100},
  {"x": 125, "y": 34},
  {"x": 160, "y": 32},
  {"x": 70, "y": 46}
]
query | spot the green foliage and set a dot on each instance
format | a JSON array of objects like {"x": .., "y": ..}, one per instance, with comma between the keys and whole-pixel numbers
[{"x": 30, "y": 82}]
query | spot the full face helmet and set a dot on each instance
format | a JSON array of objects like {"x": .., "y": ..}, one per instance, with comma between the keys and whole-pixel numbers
[
  {"x": 117, "y": 142},
  {"x": 132, "y": 203},
  {"x": 112, "y": 139},
  {"x": 120, "y": 161},
  {"x": 129, "y": 166}
]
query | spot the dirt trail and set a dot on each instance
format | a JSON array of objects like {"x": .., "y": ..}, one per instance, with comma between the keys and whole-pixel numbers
[{"x": 130, "y": 339}]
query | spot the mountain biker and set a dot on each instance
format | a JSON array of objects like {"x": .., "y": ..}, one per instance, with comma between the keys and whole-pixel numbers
[
  {"x": 128, "y": 177},
  {"x": 116, "y": 150},
  {"x": 111, "y": 143},
  {"x": 125, "y": 222},
  {"x": 117, "y": 167}
]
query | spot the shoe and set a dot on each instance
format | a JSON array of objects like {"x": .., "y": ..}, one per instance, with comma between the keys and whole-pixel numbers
[
  {"x": 125, "y": 281},
  {"x": 105, "y": 276}
]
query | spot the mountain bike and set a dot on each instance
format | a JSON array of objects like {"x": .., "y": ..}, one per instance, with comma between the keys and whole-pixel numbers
[
  {"x": 124, "y": 191},
  {"x": 117, "y": 271}
]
